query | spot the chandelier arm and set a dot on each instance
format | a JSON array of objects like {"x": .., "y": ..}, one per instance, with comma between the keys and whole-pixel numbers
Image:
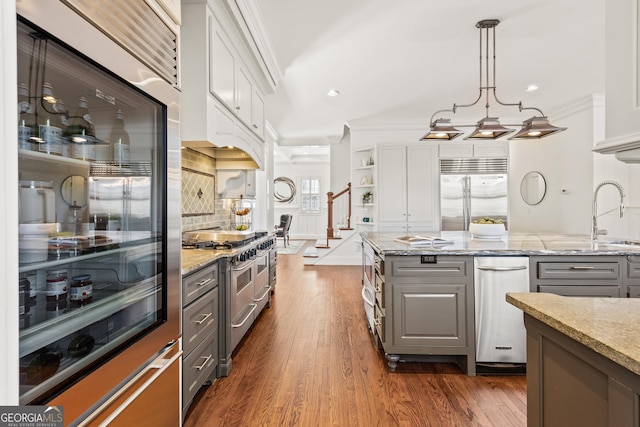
[
  {"x": 455, "y": 106},
  {"x": 532, "y": 108},
  {"x": 431, "y": 121}
]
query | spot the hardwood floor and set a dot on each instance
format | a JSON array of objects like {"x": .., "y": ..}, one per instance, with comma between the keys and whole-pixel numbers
[{"x": 310, "y": 361}]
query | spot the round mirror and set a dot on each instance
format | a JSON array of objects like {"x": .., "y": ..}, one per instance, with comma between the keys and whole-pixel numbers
[
  {"x": 533, "y": 188},
  {"x": 74, "y": 190}
]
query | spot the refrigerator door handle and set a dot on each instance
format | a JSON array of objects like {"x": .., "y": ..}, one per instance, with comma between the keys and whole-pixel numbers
[
  {"x": 466, "y": 202},
  {"x": 136, "y": 386}
]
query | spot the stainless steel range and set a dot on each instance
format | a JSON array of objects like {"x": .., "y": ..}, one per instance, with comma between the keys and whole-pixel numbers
[{"x": 245, "y": 285}]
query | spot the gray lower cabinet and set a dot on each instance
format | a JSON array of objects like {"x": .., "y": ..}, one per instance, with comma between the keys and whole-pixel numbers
[
  {"x": 631, "y": 277},
  {"x": 428, "y": 308},
  {"x": 569, "y": 384},
  {"x": 199, "y": 331},
  {"x": 594, "y": 276}
]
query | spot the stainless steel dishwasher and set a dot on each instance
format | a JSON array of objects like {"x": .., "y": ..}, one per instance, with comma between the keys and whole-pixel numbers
[{"x": 500, "y": 331}]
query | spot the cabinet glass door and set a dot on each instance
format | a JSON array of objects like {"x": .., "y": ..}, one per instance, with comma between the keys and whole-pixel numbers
[{"x": 92, "y": 230}]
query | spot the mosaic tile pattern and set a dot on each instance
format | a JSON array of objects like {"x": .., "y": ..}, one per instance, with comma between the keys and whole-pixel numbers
[
  {"x": 210, "y": 213},
  {"x": 198, "y": 193}
]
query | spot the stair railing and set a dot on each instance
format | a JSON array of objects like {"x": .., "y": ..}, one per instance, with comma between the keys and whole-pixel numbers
[{"x": 342, "y": 212}]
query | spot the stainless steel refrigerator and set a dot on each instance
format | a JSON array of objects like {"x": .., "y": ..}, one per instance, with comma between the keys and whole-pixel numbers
[{"x": 472, "y": 189}]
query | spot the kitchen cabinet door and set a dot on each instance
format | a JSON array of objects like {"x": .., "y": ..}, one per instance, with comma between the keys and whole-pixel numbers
[
  {"x": 408, "y": 186},
  {"x": 257, "y": 114},
  {"x": 422, "y": 188},
  {"x": 244, "y": 93},
  {"x": 222, "y": 64},
  {"x": 392, "y": 183}
]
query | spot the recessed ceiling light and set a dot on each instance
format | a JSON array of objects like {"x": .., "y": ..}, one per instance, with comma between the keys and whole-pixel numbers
[
  {"x": 333, "y": 92},
  {"x": 531, "y": 88}
]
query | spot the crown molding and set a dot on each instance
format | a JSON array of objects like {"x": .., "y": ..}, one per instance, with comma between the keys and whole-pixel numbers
[{"x": 254, "y": 31}]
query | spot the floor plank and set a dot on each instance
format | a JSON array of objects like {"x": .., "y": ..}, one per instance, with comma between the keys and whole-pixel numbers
[{"x": 310, "y": 361}]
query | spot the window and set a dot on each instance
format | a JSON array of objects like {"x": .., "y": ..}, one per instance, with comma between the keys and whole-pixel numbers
[{"x": 310, "y": 193}]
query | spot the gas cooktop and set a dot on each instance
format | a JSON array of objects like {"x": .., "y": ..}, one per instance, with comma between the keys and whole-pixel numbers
[{"x": 219, "y": 239}]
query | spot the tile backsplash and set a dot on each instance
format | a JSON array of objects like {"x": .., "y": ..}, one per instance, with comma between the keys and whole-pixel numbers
[{"x": 201, "y": 208}]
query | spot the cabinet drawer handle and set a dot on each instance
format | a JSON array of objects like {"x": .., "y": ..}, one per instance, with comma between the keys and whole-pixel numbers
[
  {"x": 255, "y": 126},
  {"x": 206, "y": 360},
  {"x": 204, "y": 282},
  {"x": 238, "y": 107},
  {"x": 582, "y": 267},
  {"x": 201, "y": 321}
]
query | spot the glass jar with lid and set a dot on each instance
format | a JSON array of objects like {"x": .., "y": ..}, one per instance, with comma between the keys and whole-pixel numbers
[
  {"x": 57, "y": 282},
  {"x": 81, "y": 290}
]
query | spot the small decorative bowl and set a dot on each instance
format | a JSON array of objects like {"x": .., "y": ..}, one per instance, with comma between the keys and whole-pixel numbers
[{"x": 486, "y": 231}]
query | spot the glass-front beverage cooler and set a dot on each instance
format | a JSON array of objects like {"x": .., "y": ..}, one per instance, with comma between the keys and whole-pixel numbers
[{"x": 99, "y": 267}]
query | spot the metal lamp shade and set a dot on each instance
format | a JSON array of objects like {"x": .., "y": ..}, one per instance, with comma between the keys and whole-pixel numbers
[
  {"x": 489, "y": 128},
  {"x": 442, "y": 129},
  {"x": 536, "y": 128}
]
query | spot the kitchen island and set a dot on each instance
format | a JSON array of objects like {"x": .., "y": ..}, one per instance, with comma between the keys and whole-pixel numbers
[
  {"x": 583, "y": 359},
  {"x": 424, "y": 302}
]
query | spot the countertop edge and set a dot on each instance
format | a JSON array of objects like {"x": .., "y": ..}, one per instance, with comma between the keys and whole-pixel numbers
[{"x": 571, "y": 329}]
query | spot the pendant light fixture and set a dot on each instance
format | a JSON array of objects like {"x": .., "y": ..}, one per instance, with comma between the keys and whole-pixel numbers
[{"x": 489, "y": 127}]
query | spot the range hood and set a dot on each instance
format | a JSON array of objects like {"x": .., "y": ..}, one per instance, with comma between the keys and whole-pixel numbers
[
  {"x": 626, "y": 148},
  {"x": 226, "y": 157}
]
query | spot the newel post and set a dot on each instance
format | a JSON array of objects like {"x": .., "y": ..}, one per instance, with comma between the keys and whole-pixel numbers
[{"x": 330, "y": 215}]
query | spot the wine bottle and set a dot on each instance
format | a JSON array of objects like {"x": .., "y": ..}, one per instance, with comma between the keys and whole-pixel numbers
[
  {"x": 119, "y": 138},
  {"x": 49, "y": 135},
  {"x": 26, "y": 119}
]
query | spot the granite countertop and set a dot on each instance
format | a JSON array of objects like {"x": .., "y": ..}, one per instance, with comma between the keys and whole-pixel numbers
[
  {"x": 195, "y": 259},
  {"x": 609, "y": 326},
  {"x": 510, "y": 243}
]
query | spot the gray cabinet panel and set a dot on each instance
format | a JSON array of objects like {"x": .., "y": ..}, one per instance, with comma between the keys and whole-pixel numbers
[
  {"x": 199, "y": 367},
  {"x": 427, "y": 315},
  {"x": 445, "y": 267},
  {"x": 589, "y": 275},
  {"x": 428, "y": 308},
  {"x": 199, "y": 319},
  {"x": 578, "y": 270},
  {"x": 199, "y": 283}
]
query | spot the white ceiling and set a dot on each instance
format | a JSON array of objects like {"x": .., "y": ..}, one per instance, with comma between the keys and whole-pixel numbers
[{"x": 399, "y": 61}]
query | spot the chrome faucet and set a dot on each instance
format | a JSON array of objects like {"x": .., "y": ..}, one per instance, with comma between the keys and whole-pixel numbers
[{"x": 595, "y": 231}]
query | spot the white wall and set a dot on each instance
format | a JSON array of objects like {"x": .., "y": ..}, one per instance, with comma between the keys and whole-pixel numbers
[
  {"x": 568, "y": 164},
  {"x": 566, "y": 161},
  {"x": 304, "y": 225}
]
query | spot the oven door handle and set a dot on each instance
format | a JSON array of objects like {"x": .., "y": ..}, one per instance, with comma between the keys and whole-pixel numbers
[
  {"x": 245, "y": 266},
  {"x": 266, "y": 292},
  {"x": 365, "y": 297},
  {"x": 239, "y": 325}
]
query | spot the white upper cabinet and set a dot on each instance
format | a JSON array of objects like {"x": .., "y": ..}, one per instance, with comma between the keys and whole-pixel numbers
[
  {"x": 622, "y": 93},
  {"x": 244, "y": 91},
  {"x": 218, "y": 73},
  {"x": 408, "y": 188},
  {"x": 231, "y": 81},
  {"x": 222, "y": 64},
  {"x": 458, "y": 150},
  {"x": 257, "y": 113}
]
